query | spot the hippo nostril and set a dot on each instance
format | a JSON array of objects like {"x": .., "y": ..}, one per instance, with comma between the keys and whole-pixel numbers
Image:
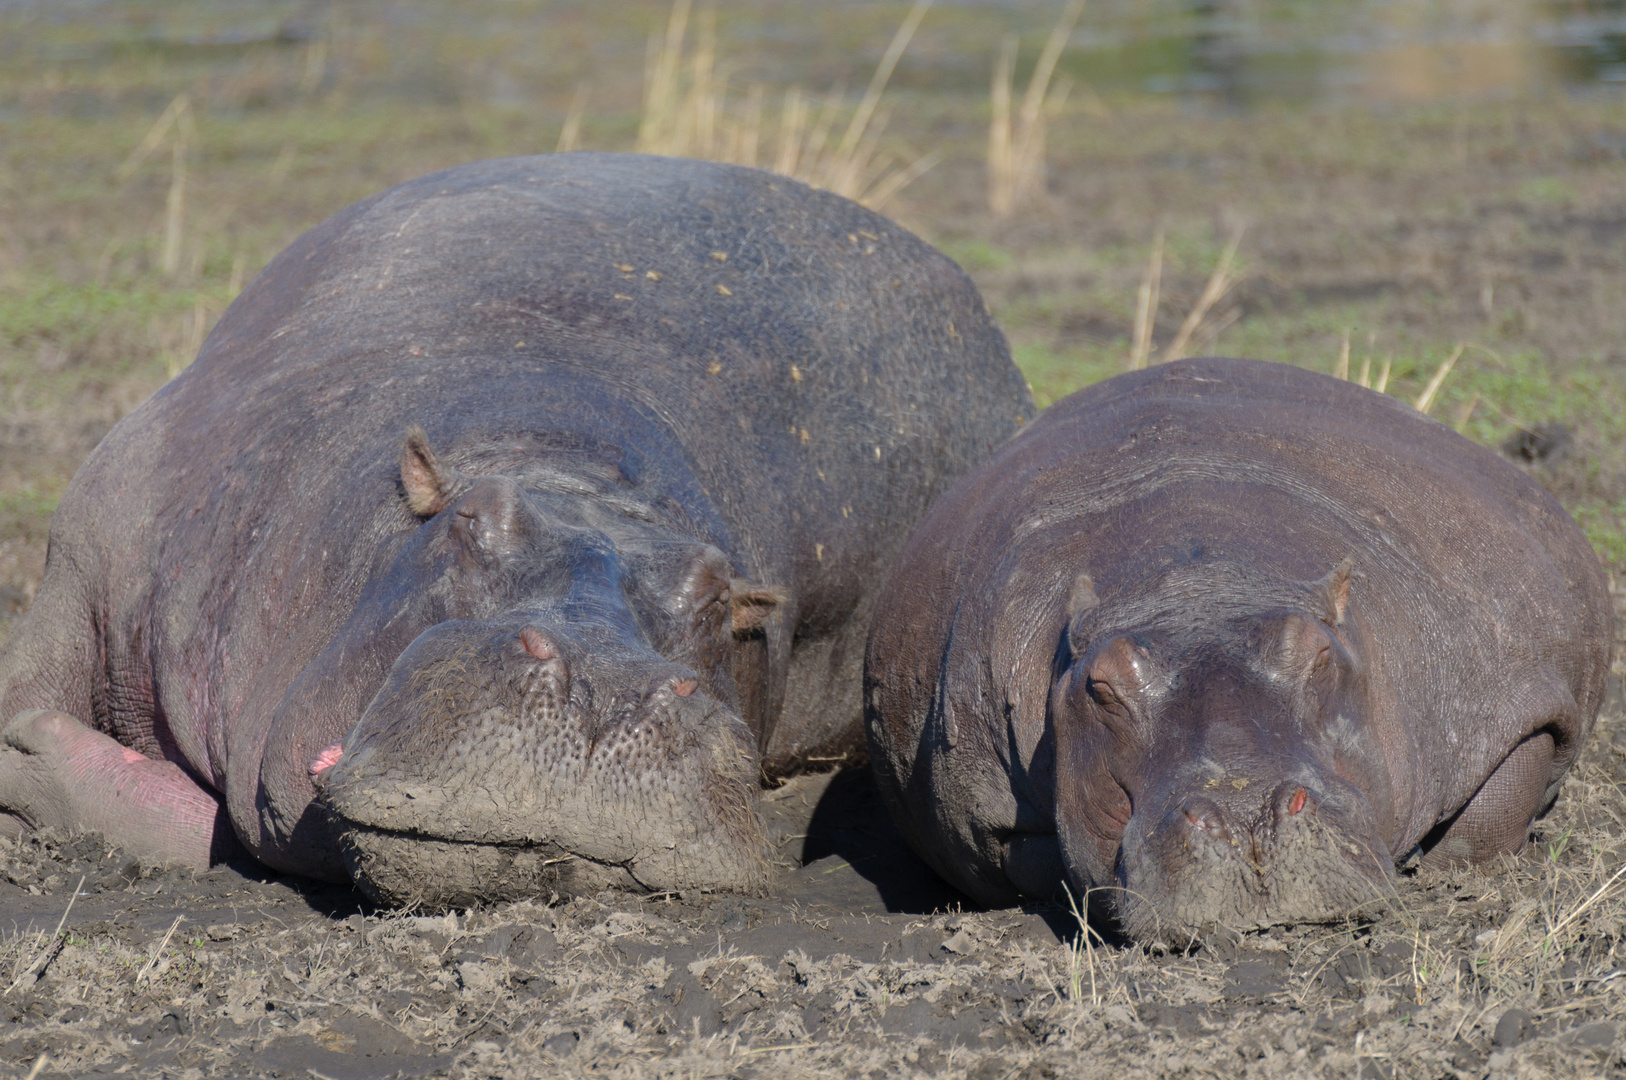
[
  {"x": 1291, "y": 799},
  {"x": 1204, "y": 816},
  {"x": 538, "y": 645},
  {"x": 685, "y": 687}
]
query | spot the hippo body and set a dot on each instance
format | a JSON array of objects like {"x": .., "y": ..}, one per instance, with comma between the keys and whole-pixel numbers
[
  {"x": 532, "y": 511},
  {"x": 1222, "y": 642}
]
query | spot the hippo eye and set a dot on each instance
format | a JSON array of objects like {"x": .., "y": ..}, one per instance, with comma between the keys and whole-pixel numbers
[{"x": 1102, "y": 693}]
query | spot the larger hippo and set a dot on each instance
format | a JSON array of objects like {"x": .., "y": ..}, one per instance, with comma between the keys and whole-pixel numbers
[
  {"x": 1221, "y": 642},
  {"x": 506, "y": 531}
]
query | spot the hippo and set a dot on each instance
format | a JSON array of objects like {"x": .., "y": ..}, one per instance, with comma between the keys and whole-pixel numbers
[
  {"x": 507, "y": 532},
  {"x": 1225, "y": 643}
]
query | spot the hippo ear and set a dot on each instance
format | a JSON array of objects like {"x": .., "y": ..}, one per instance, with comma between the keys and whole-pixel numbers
[
  {"x": 1081, "y": 597},
  {"x": 1333, "y": 591},
  {"x": 430, "y": 486},
  {"x": 750, "y": 604}
]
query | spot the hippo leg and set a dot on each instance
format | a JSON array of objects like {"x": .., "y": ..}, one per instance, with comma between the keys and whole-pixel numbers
[
  {"x": 57, "y": 773},
  {"x": 1497, "y": 819}
]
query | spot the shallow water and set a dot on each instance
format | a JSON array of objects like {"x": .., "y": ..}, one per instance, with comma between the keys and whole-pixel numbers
[{"x": 1231, "y": 53}]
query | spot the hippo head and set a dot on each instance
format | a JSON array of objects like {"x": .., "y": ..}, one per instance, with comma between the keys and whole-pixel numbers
[
  {"x": 563, "y": 715},
  {"x": 1214, "y": 764}
]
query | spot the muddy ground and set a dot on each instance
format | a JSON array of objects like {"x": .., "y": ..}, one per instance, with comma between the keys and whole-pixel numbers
[
  {"x": 859, "y": 963},
  {"x": 1405, "y": 226}
]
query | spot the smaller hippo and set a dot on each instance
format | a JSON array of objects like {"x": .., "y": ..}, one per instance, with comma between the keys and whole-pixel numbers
[{"x": 1223, "y": 642}]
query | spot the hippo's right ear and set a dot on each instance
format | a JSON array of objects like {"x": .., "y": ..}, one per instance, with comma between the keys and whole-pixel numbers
[
  {"x": 430, "y": 486},
  {"x": 750, "y": 604},
  {"x": 1333, "y": 591}
]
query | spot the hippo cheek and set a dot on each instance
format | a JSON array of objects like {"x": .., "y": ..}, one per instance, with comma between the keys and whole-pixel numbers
[
  {"x": 482, "y": 773},
  {"x": 1093, "y": 808}
]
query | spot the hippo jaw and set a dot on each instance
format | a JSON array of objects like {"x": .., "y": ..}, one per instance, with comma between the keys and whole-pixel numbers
[
  {"x": 500, "y": 761},
  {"x": 1222, "y": 779}
]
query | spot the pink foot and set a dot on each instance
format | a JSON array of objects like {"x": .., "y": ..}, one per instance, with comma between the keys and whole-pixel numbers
[{"x": 57, "y": 772}]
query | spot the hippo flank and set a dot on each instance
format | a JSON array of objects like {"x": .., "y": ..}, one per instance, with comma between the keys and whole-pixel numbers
[
  {"x": 1222, "y": 642},
  {"x": 506, "y": 531}
]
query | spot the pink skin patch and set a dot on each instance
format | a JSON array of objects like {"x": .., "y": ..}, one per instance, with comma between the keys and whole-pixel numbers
[
  {"x": 685, "y": 687},
  {"x": 327, "y": 758},
  {"x": 1297, "y": 804},
  {"x": 537, "y": 645},
  {"x": 133, "y": 756}
]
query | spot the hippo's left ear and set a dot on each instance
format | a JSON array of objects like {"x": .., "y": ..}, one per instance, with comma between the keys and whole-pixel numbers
[
  {"x": 430, "y": 486},
  {"x": 750, "y": 604},
  {"x": 1333, "y": 591}
]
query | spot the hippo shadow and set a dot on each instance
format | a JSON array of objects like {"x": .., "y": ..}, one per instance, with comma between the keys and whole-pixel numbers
[{"x": 837, "y": 847}]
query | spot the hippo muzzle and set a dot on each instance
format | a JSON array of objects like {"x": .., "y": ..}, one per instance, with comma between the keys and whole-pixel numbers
[{"x": 501, "y": 759}]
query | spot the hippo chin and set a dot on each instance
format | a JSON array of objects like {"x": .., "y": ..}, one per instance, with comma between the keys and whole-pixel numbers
[
  {"x": 507, "y": 531},
  {"x": 1222, "y": 643}
]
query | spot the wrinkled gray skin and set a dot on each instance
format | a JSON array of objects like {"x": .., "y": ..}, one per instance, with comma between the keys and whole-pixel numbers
[
  {"x": 1221, "y": 642},
  {"x": 530, "y": 512}
]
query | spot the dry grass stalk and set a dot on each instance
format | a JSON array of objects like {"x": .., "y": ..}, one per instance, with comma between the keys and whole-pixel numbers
[
  {"x": 175, "y": 206},
  {"x": 152, "y": 961},
  {"x": 179, "y": 107},
  {"x": 1146, "y": 305},
  {"x": 1192, "y": 330},
  {"x": 177, "y": 119},
  {"x": 1466, "y": 413},
  {"x": 1580, "y": 909},
  {"x": 1016, "y": 151},
  {"x": 1425, "y": 400},
  {"x": 1382, "y": 384},
  {"x": 792, "y": 126},
  {"x": 1342, "y": 370},
  {"x": 47, "y": 949},
  {"x": 847, "y": 149},
  {"x": 687, "y": 114},
  {"x": 1366, "y": 372},
  {"x": 573, "y": 121},
  {"x": 315, "y": 66},
  {"x": 1219, "y": 283},
  {"x": 660, "y": 80}
]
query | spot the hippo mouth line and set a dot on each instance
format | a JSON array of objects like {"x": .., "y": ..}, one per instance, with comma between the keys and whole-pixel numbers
[{"x": 398, "y": 868}]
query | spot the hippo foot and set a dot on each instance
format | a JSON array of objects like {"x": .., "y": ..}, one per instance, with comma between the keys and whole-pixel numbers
[
  {"x": 56, "y": 772},
  {"x": 398, "y": 869}
]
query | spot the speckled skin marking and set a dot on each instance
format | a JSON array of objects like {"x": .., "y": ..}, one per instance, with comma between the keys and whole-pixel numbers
[
  {"x": 531, "y": 512},
  {"x": 1221, "y": 642}
]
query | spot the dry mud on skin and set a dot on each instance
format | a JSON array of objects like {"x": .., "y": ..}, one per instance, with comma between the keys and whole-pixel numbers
[{"x": 860, "y": 963}]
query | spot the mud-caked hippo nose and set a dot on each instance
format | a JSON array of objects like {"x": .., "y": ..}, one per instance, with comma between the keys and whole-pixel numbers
[
  {"x": 504, "y": 759},
  {"x": 1207, "y": 822},
  {"x": 1242, "y": 852}
]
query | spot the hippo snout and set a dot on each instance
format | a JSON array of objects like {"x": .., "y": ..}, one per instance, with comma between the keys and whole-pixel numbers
[
  {"x": 1295, "y": 851},
  {"x": 503, "y": 761}
]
